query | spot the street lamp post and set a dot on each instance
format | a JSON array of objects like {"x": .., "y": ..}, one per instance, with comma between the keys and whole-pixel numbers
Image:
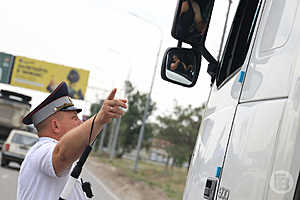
[
  {"x": 141, "y": 134},
  {"x": 102, "y": 137},
  {"x": 118, "y": 121}
]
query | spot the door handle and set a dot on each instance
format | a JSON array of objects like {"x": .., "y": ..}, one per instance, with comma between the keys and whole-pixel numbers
[{"x": 210, "y": 188}]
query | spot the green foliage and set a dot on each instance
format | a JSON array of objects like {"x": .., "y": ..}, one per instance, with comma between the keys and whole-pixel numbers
[
  {"x": 95, "y": 107},
  {"x": 131, "y": 121},
  {"x": 180, "y": 129},
  {"x": 172, "y": 183}
]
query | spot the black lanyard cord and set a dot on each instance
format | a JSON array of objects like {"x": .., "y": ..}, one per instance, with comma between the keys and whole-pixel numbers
[
  {"x": 78, "y": 167},
  {"x": 92, "y": 129}
]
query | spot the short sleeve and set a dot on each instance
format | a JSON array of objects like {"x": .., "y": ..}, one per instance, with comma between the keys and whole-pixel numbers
[{"x": 43, "y": 158}]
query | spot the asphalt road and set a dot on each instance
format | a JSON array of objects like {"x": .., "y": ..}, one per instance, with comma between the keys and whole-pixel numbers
[{"x": 9, "y": 180}]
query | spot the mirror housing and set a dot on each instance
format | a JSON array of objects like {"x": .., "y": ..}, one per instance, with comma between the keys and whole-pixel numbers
[
  {"x": 191, "y": 25},
  {"x": 180, "y": 66}
]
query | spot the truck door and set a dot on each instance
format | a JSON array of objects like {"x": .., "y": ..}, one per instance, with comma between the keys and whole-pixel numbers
[
  {"x": 214, "y": 135},
  {"x": 261, "y": 112}
]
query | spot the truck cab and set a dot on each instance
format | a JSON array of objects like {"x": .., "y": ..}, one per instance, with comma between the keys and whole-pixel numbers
[
  {"x": 13, "y": 107},
  {"x": 249, "y": 138}
]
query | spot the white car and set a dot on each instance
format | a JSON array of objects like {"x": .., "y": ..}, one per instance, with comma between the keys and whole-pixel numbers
[{"x": 16, "y": 146}]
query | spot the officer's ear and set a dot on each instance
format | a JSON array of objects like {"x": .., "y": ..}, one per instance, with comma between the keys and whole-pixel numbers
[
  {"x": 55, "y": 125},
  {"x": 56, "y": 122}
]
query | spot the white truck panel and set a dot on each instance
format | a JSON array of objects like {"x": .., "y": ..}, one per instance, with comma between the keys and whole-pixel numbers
[
  {"x": 212, "y": 139},
  {"x": 209, "y": 152},
  {"x": 249, "y": 158},
  {"x": 251, "y": 126},
  {"x": 272, "y": 63},
  {"x": 287, "y": 160}
]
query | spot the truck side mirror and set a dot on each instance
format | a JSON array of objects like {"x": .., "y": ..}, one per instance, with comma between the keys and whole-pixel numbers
[
  {"x": 180, "y": 66},
  {"x": 191, "y": 20}
]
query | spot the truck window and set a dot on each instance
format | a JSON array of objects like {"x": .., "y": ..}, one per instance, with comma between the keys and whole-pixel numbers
[
  {"x": 278, "y": 26},
  {"x": 239, "y": 40}
]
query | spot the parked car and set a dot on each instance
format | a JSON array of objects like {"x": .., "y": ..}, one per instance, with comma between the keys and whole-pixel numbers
[{"x": 16, "y": 146}]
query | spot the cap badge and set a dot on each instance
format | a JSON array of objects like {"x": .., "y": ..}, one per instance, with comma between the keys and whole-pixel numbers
[{"x": 65, "y": 105}]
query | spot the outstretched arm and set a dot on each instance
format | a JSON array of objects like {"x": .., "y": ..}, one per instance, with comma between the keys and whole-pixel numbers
[{"x": 72, "y": 144}]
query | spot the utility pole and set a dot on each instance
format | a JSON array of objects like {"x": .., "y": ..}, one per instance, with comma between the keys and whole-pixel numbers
[
  {"x": 102, "y": 137},
  {"x": 114, "y": 144},
  {"x": 141, "y": 134},
  {"x": 111, "y": 136},
  {"x": 118, "y": 121},
  {"x": 113, "y": 152}
]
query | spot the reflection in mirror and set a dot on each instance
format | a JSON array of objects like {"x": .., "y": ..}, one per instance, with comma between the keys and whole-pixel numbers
[
  {"x": 191, "y": 20},
  {"x": 180, "y": 65}
]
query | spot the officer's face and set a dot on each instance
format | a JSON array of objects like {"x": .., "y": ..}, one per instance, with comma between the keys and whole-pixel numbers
[{"x": 69, "y": 120}]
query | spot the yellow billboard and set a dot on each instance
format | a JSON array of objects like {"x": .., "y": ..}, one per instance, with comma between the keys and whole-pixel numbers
[{"x": 44, "y": 76}]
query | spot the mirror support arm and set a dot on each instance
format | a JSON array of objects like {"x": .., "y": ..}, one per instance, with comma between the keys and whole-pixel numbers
[
  {"x": 212, "y": 71},
  {"x": 213, "y": 65},
  {"x": 179, "y": 44},
  {"x": 206, "y": 54}
]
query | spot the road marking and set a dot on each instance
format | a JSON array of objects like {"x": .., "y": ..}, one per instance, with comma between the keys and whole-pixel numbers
[{"x": 102, "y": 185}]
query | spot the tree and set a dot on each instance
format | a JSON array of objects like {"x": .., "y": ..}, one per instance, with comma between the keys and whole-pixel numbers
[
  {"x": 95, "y": 107},
  {"x": 180, "y": 129},
  {"x": 131, "y": 121}
]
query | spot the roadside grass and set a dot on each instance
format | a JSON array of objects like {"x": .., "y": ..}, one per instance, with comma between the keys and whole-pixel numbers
[{"x": 170, "y": 180}]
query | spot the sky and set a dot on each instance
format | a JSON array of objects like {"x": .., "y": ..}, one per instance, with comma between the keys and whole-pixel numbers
[{"x": 114, "y": 40}]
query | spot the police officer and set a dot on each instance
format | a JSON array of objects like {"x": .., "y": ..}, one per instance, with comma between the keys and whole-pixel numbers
[{"x": 62, "y": 139}]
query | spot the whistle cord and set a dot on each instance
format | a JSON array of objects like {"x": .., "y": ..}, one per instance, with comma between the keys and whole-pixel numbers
[
  {"x": 92, "y": 130},
  {"x": 78, "y": 167}
]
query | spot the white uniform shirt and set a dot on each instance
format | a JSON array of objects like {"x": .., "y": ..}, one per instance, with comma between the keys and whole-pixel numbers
[{"x": 37, "y": 179}]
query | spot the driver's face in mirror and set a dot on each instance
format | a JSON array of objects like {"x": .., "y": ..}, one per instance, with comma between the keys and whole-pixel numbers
[
  {"x": 181, "y": 65},
  {"x": 175, "y": 62}
]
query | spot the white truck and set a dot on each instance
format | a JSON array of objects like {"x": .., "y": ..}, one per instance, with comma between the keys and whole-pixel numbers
[
  {"x": 13, "y": 107},
  {"x": 249, "y": 140}
]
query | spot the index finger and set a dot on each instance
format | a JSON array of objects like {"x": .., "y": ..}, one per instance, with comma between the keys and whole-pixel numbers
[{"x": 112, "y": 94}]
